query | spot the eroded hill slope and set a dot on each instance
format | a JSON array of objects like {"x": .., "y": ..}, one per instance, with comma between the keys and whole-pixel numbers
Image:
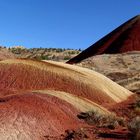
[
  {"x": 42, "y": 99},
  {"x": 121, "y": 68}
]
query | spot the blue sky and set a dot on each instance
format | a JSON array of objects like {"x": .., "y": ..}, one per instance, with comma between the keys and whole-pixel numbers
[{"x": 61, "y": 23}]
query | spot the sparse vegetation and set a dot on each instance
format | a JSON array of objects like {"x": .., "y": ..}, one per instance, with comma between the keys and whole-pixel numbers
[
  {"x": 110, "y": 121},
  {"x": 78, "y": 135},
  {"x": 56, "y": 54},
  {"x": 67, "y": 57},
  {"x": 136, "y": 105},
  {"x": 17, "y": 50},
  {"x": 134, "y": 127}
]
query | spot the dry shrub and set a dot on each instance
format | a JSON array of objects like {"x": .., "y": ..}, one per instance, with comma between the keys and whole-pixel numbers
[
  {"x": 134, "y": 127},
  {"x": 74, "y": 135},
  {"x": 110, "y": 121}
]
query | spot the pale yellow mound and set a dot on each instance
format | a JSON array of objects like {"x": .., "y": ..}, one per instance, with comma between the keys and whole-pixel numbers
[
  {"x": 99, "y": 81},
  {"x": 98, "y": 84},
  {"x": 79, "y": 103}
]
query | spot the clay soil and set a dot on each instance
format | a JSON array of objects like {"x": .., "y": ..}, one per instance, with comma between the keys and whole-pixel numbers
[{"x": 41, "y": 100}]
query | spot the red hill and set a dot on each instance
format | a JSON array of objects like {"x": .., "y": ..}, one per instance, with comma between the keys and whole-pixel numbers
[
  {"x": 123, "y": 39},
  {"x": 40, "y": 100}
]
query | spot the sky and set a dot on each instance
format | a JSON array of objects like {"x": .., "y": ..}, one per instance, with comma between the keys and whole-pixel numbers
[{"x": 61, "y": 23}]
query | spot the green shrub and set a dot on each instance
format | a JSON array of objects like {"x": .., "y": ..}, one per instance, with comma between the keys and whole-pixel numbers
[{"x": 67, "y": 57}]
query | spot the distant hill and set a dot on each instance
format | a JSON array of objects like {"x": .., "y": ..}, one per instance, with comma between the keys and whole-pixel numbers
[
  {"x": 121, "y": 68},
  {"x": 5, "y": 53},
  {"x": 123, "y": 39},
  {"x": 56, "y": 54}
]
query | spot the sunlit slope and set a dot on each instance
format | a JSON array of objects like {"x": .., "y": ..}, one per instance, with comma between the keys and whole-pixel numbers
[
  {"x": 81, "y": 104},
  {"x": 33, "y": 75},
  {"x": 40, "y": 99},
  {"x": 33, "y": 116}
]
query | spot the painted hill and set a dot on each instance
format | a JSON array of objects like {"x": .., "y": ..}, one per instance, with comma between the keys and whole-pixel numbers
[
  {"x": 42, "y": 99},
  {"x": 34, "y": 75},
  {"x": 123, "y": 39}
]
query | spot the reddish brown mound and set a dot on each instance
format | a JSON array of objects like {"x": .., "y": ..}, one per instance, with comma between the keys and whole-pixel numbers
[
  {"x": 127, "y": 108},
  {"x": 33, "y": 75},
  {"x": 42, "y": 99},
  {"x": 34, "y": 116},
  {"x": 5, "y": 54},
  {"x": 123, "y": 39}
]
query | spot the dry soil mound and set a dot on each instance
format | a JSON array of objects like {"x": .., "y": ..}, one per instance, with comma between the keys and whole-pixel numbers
[
  {"x": 34, "y": 116},
  {"x": 41, "y": 99},
  {"x": 33, "y": 75}
]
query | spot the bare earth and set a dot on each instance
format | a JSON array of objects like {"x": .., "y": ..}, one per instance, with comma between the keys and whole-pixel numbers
[
  {"x": 6, "y": 54},
  {"x": 40, "y": 100},
  {"x": 121, "y": 68}
]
